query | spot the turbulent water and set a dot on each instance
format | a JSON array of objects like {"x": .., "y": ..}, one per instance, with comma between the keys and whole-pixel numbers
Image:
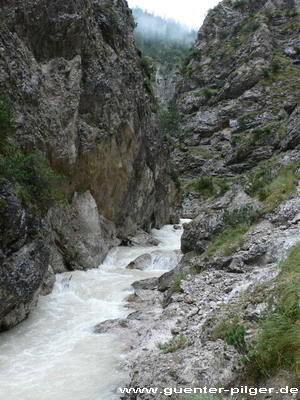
[{"x": 54, "y": 354}]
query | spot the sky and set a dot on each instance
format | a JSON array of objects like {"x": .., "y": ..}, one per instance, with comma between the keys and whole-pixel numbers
[{"x": 189, "y": 12}]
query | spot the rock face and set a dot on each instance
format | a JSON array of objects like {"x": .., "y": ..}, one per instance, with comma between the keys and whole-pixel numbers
[
  {"x": 238, "y": 155},
  {"x": 238, "y": 97},
  {"x": 165, "y": 83},
  {"x": 81, "y": 97},
  {"x": 24, "y": 258}
]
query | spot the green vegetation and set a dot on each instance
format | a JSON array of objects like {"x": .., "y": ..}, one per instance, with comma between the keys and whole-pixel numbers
[
  {"x": 35, "y": 183},
  {"x": 200, "y": 151},
  {"x": 291, "y": 13},
  {"x": 252, "y": 26},
  {"x": 33, "y": 180},
  {"x": 223, "y": 187},
  {"x": 235, "y": 336},
  {"x": 175, "y": 288},
  {"x": 237, "y": 216},
  {"x": 228, "y": 241},
  {"x": 273, "y": 190},
  {"x": 275, "y": 66},
  {"x": 278, "y": 345},
  {"x": 240, "y": 3},
  {"x": 176, "y": 343},
  {"x": 163, "y": 40},
  {"x": 208, "y": 93},
  {"x": 260, "y": 181},
  {"x": 204, "y": 185},
  {"x": 146, "y": 64},
  {"x": 170, "y": 119}
]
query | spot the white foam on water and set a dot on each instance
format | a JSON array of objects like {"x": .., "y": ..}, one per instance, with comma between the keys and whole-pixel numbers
[{"x": 54, "y": 354}]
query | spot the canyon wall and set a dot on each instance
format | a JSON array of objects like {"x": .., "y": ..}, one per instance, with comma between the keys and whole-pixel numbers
[{"x": 81, "y": 97}]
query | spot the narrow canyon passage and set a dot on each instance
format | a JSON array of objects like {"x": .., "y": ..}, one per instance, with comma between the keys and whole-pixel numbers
[{"x": 54, "y": 354}]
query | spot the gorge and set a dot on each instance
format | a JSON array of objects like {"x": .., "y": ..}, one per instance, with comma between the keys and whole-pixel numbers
[{"x": 93, "y": 165}]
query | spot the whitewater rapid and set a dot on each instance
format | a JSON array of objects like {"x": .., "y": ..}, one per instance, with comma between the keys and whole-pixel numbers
[{"x": 55, "y": 354}]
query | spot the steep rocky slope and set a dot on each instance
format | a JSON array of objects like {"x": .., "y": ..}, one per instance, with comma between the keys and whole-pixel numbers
[
  {"x": 227, "y": 315},
  {"x": 80, "y": 96}
]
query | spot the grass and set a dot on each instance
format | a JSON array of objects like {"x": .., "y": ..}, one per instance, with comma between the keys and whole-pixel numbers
[
  {"x": 219, "y": 330},
  {"x": 208, "y": 92},
  {"x": 200, "y": 151},
  {"x": 204, "y": 185},
  {"x": 235, "y": 336},
  {"x": 274, "y": 189},
  {"x": 278, "y": 346},
  {"x": 283, "y": 187},
  {"x": 228, "y": 241},
  {"x": 176, "y": 288},
  {"x": 176, "y": 343}
]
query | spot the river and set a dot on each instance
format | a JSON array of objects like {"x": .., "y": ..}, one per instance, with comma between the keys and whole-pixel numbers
[{"x": 54, "y": 354}]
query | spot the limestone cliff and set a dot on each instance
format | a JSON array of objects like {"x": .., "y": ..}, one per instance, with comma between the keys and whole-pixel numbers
[
  {"x": 79, "y": 93},
  {"x": 221, "y": 317}
]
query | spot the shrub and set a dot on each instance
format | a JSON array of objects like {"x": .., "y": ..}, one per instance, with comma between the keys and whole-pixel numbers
[
  {"x": 240, "y": 3},
  {"x": 275, "y": 66},
  {"x": 176, "y": 343},
  {"x": 170, "y": 119},
  {"x": 291, "y": 12},
  {"x": 145, "y": 64},
  {"x": 223, "y": 34},
  {"x": 252, "y": 26},
  {"x": 223, "y": 188},
  {"x": 34, "y": 180},
  {"x": 205, "y": 185},
  {"x": 265, "y": 72},
  {"x": 208, "y": 93}
]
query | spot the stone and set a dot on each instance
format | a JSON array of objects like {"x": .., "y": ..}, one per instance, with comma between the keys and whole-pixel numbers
[{"x": 156, "y": 260}]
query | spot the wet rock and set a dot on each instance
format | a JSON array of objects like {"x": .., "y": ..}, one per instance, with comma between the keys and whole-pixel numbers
[{"x": 156, "y": 260}]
